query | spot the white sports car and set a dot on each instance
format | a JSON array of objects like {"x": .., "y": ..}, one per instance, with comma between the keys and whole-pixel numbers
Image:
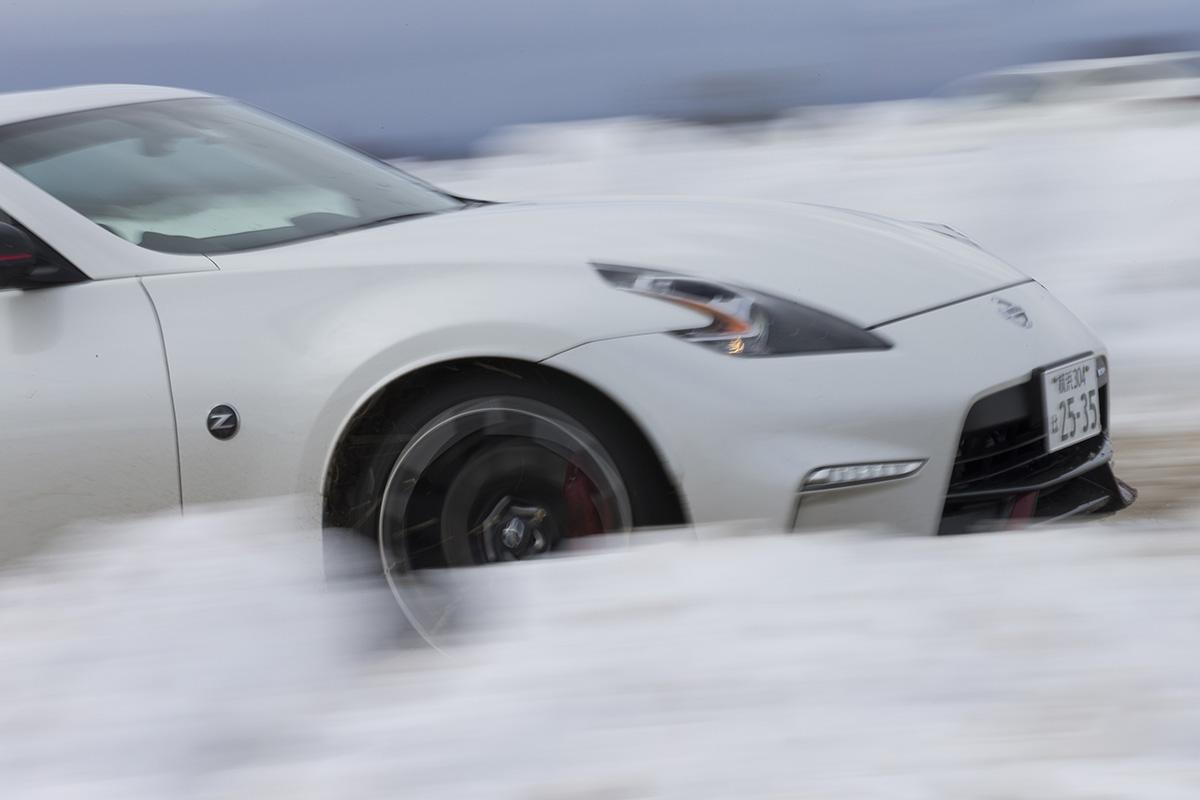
[{"x": 200, "y": 302}]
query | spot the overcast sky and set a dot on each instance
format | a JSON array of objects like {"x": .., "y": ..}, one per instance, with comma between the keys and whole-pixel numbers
[{"x": 432, "y": 74}]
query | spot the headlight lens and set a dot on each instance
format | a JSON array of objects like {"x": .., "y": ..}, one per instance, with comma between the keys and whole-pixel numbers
[{"x": 745, "y": 322}]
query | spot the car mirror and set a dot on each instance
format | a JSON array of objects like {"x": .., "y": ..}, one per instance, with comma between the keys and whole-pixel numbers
[{"x": 17, "y": 256}]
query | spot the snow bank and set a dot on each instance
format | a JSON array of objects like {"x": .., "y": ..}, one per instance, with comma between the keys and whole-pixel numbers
[{"x": 205, "y": 658}]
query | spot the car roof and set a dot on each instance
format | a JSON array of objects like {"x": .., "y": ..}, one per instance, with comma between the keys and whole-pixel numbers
[{"x": 21, "y": 106}]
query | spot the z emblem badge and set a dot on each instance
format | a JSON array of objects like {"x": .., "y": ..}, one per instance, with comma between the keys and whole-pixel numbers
[{"x": 223, "y": 422}]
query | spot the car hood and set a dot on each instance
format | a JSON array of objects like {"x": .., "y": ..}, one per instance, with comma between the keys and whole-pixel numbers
[{"x": 865, "y": 268}]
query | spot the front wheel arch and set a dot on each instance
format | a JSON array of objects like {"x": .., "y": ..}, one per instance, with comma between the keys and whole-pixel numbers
[{"x": 345, "y": 505}]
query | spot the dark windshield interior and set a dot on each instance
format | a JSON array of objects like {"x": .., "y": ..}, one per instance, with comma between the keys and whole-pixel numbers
[{"x": 207, "y": 175}]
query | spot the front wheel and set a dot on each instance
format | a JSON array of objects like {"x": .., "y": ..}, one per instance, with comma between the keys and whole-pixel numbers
[
  {"x": 497, "y": 478},
  {"x": 493, "y": 468}
]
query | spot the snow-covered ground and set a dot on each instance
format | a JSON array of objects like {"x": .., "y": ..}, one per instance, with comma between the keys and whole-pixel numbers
[{"x": 206, "y": 657}]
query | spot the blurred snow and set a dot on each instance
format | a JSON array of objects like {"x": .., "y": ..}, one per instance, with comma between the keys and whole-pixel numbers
[{"x": 206, "y": 658}]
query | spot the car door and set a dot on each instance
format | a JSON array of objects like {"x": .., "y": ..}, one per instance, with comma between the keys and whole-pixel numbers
[{"x": 87, "y": 429}]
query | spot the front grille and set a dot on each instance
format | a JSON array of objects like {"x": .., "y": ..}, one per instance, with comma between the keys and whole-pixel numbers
[
  {"x": 1002, "y": 456},
  {"x": 1011, "y": 456},
  {"x": 996, "y": 451}
]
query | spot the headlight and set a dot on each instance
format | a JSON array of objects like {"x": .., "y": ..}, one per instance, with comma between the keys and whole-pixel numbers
[{"x": 744, "y": 322}]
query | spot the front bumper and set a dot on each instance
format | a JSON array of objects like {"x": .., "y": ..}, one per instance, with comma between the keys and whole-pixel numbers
[
  {"x": 739, "y": 435},
  {"x": 1003, "y": 476}
]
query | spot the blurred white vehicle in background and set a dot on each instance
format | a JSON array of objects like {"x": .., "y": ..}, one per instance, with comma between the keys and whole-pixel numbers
[
  {"x": 1166, "y": 77},
  {"x": 203, "y": 303}
]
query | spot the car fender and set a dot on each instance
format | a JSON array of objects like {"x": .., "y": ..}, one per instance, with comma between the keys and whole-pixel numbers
[{"x": 296, "y": 353}]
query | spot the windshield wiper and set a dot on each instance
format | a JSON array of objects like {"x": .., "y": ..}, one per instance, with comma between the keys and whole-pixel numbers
[{"x": 388, "y": 220}]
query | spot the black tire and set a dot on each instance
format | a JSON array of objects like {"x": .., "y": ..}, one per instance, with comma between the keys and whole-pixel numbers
[{"x": 651, "y": 499}]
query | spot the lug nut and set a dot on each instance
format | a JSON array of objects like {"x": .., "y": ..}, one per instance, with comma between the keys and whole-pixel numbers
[{"x": 513, "y": 533}]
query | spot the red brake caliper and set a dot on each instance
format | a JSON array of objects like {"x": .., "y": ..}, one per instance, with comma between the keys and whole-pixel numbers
[{"x": 583, "y": 517}]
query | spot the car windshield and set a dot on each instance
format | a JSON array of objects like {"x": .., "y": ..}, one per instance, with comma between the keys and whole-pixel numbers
[{"x": 206, "y": 175}]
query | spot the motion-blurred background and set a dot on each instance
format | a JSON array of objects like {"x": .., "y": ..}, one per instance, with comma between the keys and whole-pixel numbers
[
  {"x": 431, "y": 77},
  {"x": 203, "y": 658}
]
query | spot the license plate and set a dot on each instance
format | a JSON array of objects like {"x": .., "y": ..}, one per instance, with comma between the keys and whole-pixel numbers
[{"x": 1072, "y": 403}]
